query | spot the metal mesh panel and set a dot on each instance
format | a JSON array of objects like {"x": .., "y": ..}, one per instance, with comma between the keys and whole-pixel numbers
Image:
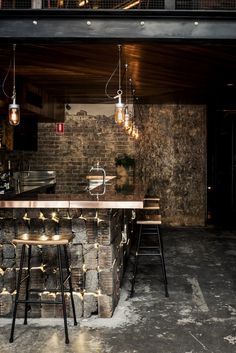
[
  {"x": 106, "y": 4},
  {"x": 205, "y": 4},
  {"x": 14, "y": 4},
  {"x": 83, "y": 4},
  {"x": 121, "y": 4}
]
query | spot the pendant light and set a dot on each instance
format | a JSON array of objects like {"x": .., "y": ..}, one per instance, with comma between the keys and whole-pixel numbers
[
  {"x": 14, "y": 109},
  {"x": 119, "y": 107},
  {"x": 127, "y": 121},
  {"x": 126, "y": 118}
]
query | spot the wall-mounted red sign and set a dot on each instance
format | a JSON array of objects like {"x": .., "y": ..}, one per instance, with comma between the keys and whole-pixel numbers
[{"x": 60, "y": 128}]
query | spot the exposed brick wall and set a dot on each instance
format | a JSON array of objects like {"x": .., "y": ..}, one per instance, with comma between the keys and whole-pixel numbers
[{"x": 87, "y": 139}]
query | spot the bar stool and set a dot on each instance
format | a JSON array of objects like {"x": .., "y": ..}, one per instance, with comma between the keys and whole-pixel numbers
[
  {"x": 149, "y": 225},
  {"x": 60, "y": 241}
]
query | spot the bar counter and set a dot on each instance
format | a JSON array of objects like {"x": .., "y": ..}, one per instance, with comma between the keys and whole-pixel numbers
[
  {"x": 99, "y": 216},
  {"x": 110, "y": 198}
]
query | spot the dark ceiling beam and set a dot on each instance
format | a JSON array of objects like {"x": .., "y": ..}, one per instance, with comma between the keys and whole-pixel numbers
[{"x": 109, "y": 25}]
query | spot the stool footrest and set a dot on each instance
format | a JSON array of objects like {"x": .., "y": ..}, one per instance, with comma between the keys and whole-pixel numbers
[
  {"x": 39, "y": 302},
  {"x": 66, "y": 278},
  {"x": 149, "y": 250},
  {"x": 23, "y": 279},
  {"x": 148, "y": 254},
  {"x": 56, "y": 290}
]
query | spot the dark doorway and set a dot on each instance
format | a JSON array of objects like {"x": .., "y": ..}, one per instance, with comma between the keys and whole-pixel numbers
[{"x": 222, "y": 167}]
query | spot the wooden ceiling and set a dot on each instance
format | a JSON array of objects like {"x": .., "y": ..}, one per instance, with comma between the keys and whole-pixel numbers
[{"x": 161, "y": 72}]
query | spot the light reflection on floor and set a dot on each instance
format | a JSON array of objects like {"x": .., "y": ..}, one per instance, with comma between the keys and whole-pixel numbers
[
  {"x": 45, "y": 339},
  {"x": 85, "y": 343}
]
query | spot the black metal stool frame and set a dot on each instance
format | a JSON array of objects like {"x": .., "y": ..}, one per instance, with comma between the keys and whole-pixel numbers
[
  {"x": 152, "y": 229},
  {"x": 27, "y": 301}
]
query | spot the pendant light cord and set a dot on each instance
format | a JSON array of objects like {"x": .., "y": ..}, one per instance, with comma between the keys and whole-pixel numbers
[
  {"x": 126, "y": 84},
  {"x": 108, "y": 81},
  {"x": 118, "y": 67},
  {"x": 13, "y": 64},
  {"x": 14, "y": 72},
  {"x": 4, "y": 81},
  {"x": 119, "y": 48}
]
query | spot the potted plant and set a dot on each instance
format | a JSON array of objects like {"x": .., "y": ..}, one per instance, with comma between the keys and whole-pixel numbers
[
  {"x": 125, "y": 160},
  {"x": 125, "y": 165}
]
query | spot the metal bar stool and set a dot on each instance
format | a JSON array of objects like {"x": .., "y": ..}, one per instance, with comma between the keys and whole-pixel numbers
[
  {"x": 149, "y": 225},
  {"x": 60, "y": 241}
]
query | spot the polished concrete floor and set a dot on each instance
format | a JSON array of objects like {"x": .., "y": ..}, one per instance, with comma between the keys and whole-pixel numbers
[{"x": 198, "y": 317}]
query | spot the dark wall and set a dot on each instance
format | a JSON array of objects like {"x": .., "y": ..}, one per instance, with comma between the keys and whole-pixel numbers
[{"x": 26, "y": 134}]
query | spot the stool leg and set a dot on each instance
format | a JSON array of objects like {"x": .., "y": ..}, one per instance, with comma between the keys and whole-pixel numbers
[
  {"x": 163, "y": 267},
  {"x": 136, "y": 261},
  {"x": 70, "y": 284},
  {"x": 27, "y": 306},
  {"x": 62, "y": 293},
  {"x": 17, "y": 293}
]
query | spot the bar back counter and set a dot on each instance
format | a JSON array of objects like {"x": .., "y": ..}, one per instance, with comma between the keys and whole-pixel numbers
[{"x": 100, "y": 217}]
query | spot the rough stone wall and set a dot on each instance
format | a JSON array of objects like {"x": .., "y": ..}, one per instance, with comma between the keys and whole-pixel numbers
[
  {"x": 171, "y": 156},
  {"x": 96, "y": 258}
]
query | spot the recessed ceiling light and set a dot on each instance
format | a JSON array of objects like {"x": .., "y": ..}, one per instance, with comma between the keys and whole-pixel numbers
[{"x": 229, "y": 84}]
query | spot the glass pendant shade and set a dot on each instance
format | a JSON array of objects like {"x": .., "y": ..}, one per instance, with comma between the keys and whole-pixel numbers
[
  {"x": 133, "y": 131},
  {"x": 136, "y": 133},
  {"x": 119, "y": 113},
  {"x": 14, "y": 114},
  {"x": 129, "y": 130}
]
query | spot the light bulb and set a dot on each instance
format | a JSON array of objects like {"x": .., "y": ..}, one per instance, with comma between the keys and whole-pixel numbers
[
  {"x": 133, "y": 132},
  {"x": 136, "y": 134},
  {"x": 119, "y": 113},
  {"x": 127, "y": 121},
  {"x": 129, "y": 130},
  {"x": 14, "y": 114}
]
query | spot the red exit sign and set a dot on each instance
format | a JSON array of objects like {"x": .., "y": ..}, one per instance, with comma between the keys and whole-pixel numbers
[{"x": 60, "y": 128}]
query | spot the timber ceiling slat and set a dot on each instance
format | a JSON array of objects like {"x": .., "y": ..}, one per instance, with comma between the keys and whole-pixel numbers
[{"x": 158, "y": 70}]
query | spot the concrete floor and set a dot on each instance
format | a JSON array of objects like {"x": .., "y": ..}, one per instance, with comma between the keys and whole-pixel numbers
[{"x": 198, "y": 317}]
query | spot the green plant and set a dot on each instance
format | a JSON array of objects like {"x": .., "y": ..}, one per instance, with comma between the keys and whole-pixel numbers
[{"x": 125, "y": 160}]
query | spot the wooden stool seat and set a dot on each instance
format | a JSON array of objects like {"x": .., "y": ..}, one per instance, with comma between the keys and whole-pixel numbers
[
  {"x": 150, "y": 219},
  {"x": 61, "y": 242},
  {"x": 151, "y": 204},
  {"x": 41, "y": 239}
]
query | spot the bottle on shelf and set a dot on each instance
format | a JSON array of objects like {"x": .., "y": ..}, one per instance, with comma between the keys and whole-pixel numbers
[{"x": 10, "y": 175}]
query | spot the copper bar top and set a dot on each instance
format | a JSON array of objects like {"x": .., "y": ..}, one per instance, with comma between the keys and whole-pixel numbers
[{"x": 113, "y": 197}]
